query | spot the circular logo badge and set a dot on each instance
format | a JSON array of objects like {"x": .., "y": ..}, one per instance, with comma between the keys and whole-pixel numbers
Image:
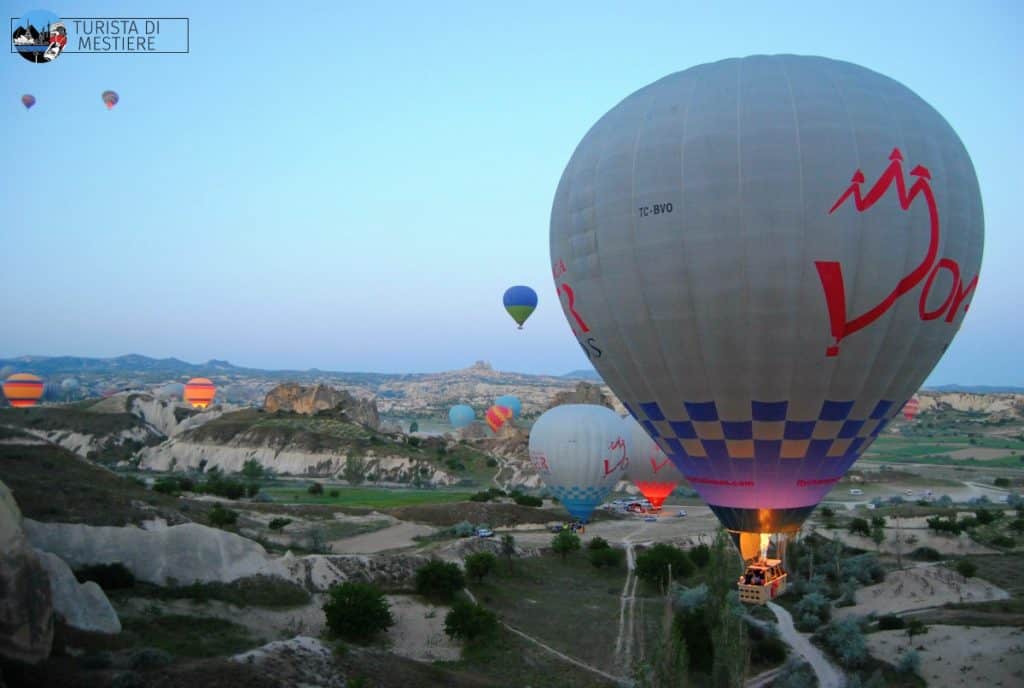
[{"x": 39, "y": 36}]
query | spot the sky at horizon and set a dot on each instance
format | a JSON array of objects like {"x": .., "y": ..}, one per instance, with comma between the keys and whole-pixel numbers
[{"x": 361, "y": 203}]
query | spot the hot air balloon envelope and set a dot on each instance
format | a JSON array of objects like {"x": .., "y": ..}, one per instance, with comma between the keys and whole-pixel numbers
[
  {"x": 511, "y": 402},
  {"x": 497, "y": 416},
  {"x": 461, "y": 415},
  {"x": 579, "y": 450},
  {"x": 766, "y": 255},
  {"x": 23, "y": 390},
  {"x": 650, "y": 469},
  {"x": 28, "y": 100},
  {"x": 520, "y": 302},
  {"x": 110, "y": 99},
  {"x": 199, "y": 392},
  {"x": 911, "y": 409}
]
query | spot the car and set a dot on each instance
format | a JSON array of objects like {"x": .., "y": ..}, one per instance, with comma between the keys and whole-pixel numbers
[
  {"x": 681, "y": 513},
  {"x": 908, "y": 492},
  {"x": 856, "y": 492},
  {"x": 651, "y": 519},
  {"x": 556, "y": 528},
  {"x": 484, "y": 532}
]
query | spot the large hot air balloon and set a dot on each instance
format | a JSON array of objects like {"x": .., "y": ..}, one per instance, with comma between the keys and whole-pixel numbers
[
  {"x": 497, "y": 416},
  {"x": 23, "y": 390},
  {"x": 764, "y": 258},
  {"x": 580, "y": 452},
  {"x": 110, "y": 99},
  {"x": 511, "y": 402},
  {"x": 520, "y": 302},
  {"x": 650, "y": 470},
  {"x": 911, "y": 409},
  {"x": 199, "y": 392},
  {"x": 461, "y": 415},
  {"x": 28, "y": 100}
]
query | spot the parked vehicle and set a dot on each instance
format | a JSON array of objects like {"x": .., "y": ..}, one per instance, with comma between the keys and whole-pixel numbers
[{"x": 484, "y": 532}]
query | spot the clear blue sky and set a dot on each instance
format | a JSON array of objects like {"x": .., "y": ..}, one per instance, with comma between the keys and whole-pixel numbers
[{"x": 362, "y": 201}]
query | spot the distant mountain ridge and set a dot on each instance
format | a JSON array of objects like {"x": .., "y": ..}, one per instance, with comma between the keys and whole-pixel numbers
[{"x": 975, "y": 389}]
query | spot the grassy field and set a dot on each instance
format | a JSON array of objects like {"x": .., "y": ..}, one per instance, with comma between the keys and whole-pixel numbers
[
  {"x": 569, "y": 605},
  {"x": 368, "y": 497},
  {"x": 1003, "y": 570}
]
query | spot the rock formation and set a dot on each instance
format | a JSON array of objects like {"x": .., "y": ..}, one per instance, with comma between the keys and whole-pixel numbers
[
  {"x": 585, "y": 393},
  {"x": 82, "y": 606},
  {"x": 309, "y": 400},
  {"x": 26, "y": 604}
]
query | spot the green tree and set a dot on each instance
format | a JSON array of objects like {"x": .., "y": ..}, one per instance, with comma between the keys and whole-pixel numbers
[
  {"x": 470, "y": 622},
  {"x": 252, "y": 469},
  {"x": 278, "y": 523},
  {"x": 966, "y": 568},
  {"x": 414, "y": 427},
  {"x": 508, "y": 548},
  {"x": 315, "y": 489},
  {"x": 480, "y": 564},
  {"x": 439, "y": 580},
  {"x": 357, "y": 611},
  {"x": 564, "y": 543},
  {"x": 860, "y": 526},
  {"x": 355, "y": 470},
  {"x": 608, "y": 556},
  {"x": 878, "y": 537},
  {"x": 915, "y": 627},
  {"x": 669, "y": 661},
  {"x": 661, "y": 562},
  {"x": 220, "y": 517}
]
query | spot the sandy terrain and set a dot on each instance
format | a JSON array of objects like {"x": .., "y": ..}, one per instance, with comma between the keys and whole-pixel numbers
[
  {"x": 267, "y": 624},
  {"x": 959, "y": 655},
  {"x": 394, "y": 537},
  {"x": 925, "y": 585},
  {"x": 699, "y": 523},
  {"x": 944, "y": 544},
  {"x": 418, "y": 632}
]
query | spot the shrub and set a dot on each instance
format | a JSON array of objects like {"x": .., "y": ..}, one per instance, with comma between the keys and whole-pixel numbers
[
  {"x": 315, "y": 489},
  {"x": 1001, "y": 482},
  {"x": 608, "y": 556},
  {"x": 414, "y": 427},
  {"x": 495, "y": 492},
  {"x": 827, "y": 512},
  {"x": 890, "y": 622},
  {"x": 864, "y": 568},
  {"x": 470, "y": 622},
  {"x": 251, "y": 490},
  {"x": 335, "y": 493},
  {"x": 926, "y": 554},
  {"x": 966, "y": 568},
  {"x": 984, "y": 516},
  {"x": 279, "y": 523},
  {"x": 439, "y": 580},
  {"x": 656, "y": 564},
  {"x": 115, "y": 576},
  {"x": 878, "y": 521},
  {"x": 564, "y": 543},
  {"x": 166, "y": 486},
  {"x": 813, "y": 610},
  {"x": 357, "y": 611},
  {"x": 481, "y": 497},
  {"x": 598, "y": 543},
  {"x": 463, "y": 529},
  {"x": 1017, "y": 525},
  {"x": 1003, "y": 541},
  {"x": 700, "y": 555},
  {"x": 480, "y": 564},
  {"x": 252, "y": 469},
  {"x": 945, "y": 525},
  {"x": 491, "y": 462},
  {"x": 220, "y": 517},
  {"x": 910, "y": 663},
  {"x": 529, "y": 500},
  {"x": 768, "y": 650},
  {"x": 860, "y": 526},
  {"x": 846, "y": 641}
]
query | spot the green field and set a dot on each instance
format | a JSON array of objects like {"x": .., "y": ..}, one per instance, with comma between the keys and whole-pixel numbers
[{"x": 368, "y": 497}]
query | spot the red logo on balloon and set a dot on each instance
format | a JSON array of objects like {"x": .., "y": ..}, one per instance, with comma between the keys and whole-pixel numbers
[
  {"x": 610, "y": 468},
  {"x": 831, "y": 272}
]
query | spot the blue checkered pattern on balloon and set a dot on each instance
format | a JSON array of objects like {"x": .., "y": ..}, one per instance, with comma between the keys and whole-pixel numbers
[
  {"x": 581, "y": 501},
  {"x": 831, "y": 441}
]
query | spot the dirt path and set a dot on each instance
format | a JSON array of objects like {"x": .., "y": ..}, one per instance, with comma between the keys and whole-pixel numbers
[
  {"x": 393, "y": 537},
  {"x": 627, "y": 606},
  {"x": 828, "y": 675}
]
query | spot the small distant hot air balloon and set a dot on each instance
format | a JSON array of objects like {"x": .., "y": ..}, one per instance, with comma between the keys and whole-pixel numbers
[
  {"x": 28, "y": 100},
  {"x": 650, "y": 469},
  {"x": 520, "y": 302},
  {"x": 110, "y": 98},
  {"x": 911, "y": 409},
  {"x": 199, "y": 392},
  {"x": 580, "y": 452},
  {"x": 497, "y": 416},
  {"x": 23, "y": 390},
  {"x": 461, "y": 415},
  {"x": 510, "y": 402}
]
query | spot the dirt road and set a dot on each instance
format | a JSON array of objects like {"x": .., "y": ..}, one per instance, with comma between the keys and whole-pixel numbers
[{"x": 828, "y": 675}]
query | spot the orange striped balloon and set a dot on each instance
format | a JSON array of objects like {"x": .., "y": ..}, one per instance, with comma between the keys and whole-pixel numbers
[
  {"x": 199, "y": 392},
  {"x": 496, "y": 416},
  {"x": 23, "y": 390}
]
